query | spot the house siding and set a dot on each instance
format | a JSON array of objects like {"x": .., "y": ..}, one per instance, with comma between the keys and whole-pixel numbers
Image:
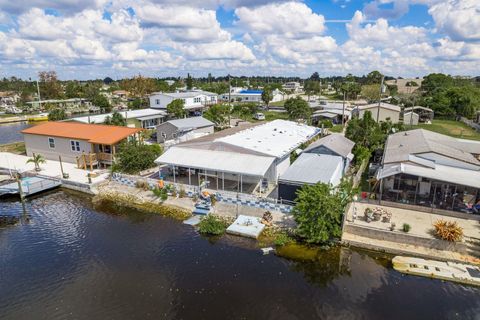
[{"x": 39, "y": 145}]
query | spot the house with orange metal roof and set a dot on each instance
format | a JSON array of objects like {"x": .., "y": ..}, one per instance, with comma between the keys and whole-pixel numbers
[{"x": 87, "y": 145}]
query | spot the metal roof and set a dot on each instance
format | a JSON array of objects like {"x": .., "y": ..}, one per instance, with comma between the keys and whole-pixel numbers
[
  {"x": 402, "y": 144},
  {"x": 93, "y": 133},
  {"x": 449, "y": 174},
  {"x": 334, "y": 142},
  {"x": 221, "y": 161},
  {"x": 185, "y": 94},
  {"x": 193, "y": 122},
  {"x": 141, "y": 114},
  {"x": 313, "y": 168}
]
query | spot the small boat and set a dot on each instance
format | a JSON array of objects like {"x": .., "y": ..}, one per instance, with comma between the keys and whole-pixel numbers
[{"x": 449, "y": 271}]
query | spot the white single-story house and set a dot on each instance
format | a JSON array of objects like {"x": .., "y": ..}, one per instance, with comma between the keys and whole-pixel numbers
[
  {"x": 62, "y": 103},
  {"x": 325, "y": 160},
  {"x": 246, "y": 159},
  {"x": 87, "y": 145},
  {"x": 424, "y": 168},
  {"x": 249, "y": 95},
  {"x": 142, "y": 118},
  {"x": 184, "y": 129},
  {"x": 383, "y": 110},
  {"x": 194, "y": 100}
]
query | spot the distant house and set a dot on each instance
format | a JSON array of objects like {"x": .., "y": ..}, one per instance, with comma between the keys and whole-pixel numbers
[
  {"x": 73, "y": 103},
  {"x": 184, "y": 129},
  {"x": 194, "y": 100},
  {"x": 142, "y": 118},
  {"x": 326, "y": 161},
  {"x": 424, "y": 168},
  {"x": 424, "y": 114},
  {"x": 249, "y": 95},
  {"x": 88, "y": 145},
  {"x": 293, "y": 87},
  {"x": 384, "y": 111}
]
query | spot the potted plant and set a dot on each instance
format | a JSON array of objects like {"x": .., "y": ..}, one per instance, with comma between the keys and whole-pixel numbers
[{"x": 37, "y": 159}]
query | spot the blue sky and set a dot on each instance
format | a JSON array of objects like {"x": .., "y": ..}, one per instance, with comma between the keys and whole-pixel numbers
[{"x": 117, "y": 38}]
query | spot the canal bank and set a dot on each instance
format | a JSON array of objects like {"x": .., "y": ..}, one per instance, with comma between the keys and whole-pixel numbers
[{"x": 74, "y": 261}]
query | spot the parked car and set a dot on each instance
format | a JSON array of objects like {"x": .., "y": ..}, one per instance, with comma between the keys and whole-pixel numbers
[{"x": 259, "y": 116}]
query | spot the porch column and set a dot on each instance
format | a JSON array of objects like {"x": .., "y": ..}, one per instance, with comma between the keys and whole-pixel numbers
[
  {"x": 174, "y": 174},
  {"x": 453, "y": 198},
  {"x": 241, "y": 184},
  {"x": 216, "y": 175},
  {"x": 189, "y": 177},
  {"x": 223, "y": 181}
]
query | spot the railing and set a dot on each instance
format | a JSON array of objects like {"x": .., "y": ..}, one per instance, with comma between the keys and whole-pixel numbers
[
  {"x": 87, "y": 160},
  {"x": 107, "y": 157}
]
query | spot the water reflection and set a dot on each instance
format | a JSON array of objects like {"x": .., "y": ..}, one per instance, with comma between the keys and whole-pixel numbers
[
  {"x": 73, "y": 262},
  {"x": 10, "y": 132}
]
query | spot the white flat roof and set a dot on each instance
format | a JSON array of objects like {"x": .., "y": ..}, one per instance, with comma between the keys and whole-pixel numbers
[
  {"x": 231, "y": 162},
  {"x": 100, "y": 118},
  {"x": 276, "y": 138}
]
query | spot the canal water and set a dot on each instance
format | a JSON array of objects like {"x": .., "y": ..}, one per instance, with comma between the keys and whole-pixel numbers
[
  {"x": 71, "y": 261},
  {"x": 10, "y": 132}
]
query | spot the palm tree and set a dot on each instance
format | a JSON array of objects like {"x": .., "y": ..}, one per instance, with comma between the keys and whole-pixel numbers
[{"x": 37, "y": 159}]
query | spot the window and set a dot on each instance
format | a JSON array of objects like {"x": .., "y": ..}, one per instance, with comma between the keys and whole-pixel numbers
[
  {"x": 197, "y": 100},
  {"x": 51, "y": 143},
  {"x": 157, "y": 101},
  {"x": 75, "y": 145}
]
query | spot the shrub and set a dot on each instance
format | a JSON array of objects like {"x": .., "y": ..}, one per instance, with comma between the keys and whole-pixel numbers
[
  {"x": 406, "y": 227},
  {"x": 282, "y": 238},
  {"x": 160, "y": 193},
  {"x": 212, "y": 225},
  {"x": 448, "y": 230},
  {"x": 182, "y": 193}
]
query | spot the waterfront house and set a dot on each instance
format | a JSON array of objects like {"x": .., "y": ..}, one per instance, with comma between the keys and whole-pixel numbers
[
  {"x": 73, "y": 105},
  {"x": 325, "y": 160},
  {"x": 87, "y": 145},
  {"x": 292, "y": 87},
  {"x": 184, "y": 129},
  {"x": 142, "y": 118},
  {"x": 384, "y": 111},
  {"x": 194, "y": 100},
  {"x": 245, "y": 159},
  {"x": 424, "y": 168}
]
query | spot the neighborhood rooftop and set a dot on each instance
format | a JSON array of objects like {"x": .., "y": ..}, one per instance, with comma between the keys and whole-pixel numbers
[
  {"x": 383, "y": 105},
  {"x": 193, "y": 122},
  {"x": 185, "y": 94},
  {"x": 312, "y": 168},
  {"x": 143, "y": 114},
  {"x": 401, "y": 145},
  {"x": 276, "y": 138},
  {"x": 337, "y": 143},
  {"x": 93, "y": 133}
]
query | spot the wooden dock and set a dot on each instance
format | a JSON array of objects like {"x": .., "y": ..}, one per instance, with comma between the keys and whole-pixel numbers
[{"x": 30, "y": 186}]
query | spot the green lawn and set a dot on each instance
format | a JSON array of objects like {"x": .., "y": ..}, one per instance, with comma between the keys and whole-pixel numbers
[
  {"x": 277, "y": 104},
  {"x": 16, "y": 147},
  {"x": 336, "y": 128},
  {"x": 451, "y": 128}
]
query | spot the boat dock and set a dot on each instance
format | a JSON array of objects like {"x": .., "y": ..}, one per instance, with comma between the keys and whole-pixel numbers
[
  {"x": 449, "y": 271},
  {"x": 30, "y": 186}
]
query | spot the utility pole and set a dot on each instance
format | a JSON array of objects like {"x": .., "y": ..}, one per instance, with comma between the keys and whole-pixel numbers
[
  {"x": 343, "y": 110},
  {"x": 39, "y": 99},
  {"x": 379, "y": 99}
]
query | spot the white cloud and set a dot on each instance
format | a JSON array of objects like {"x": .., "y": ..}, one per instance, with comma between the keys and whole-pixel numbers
[
  {"x": 459, "y": 19},
  {"x": 291, "y": 19}
]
